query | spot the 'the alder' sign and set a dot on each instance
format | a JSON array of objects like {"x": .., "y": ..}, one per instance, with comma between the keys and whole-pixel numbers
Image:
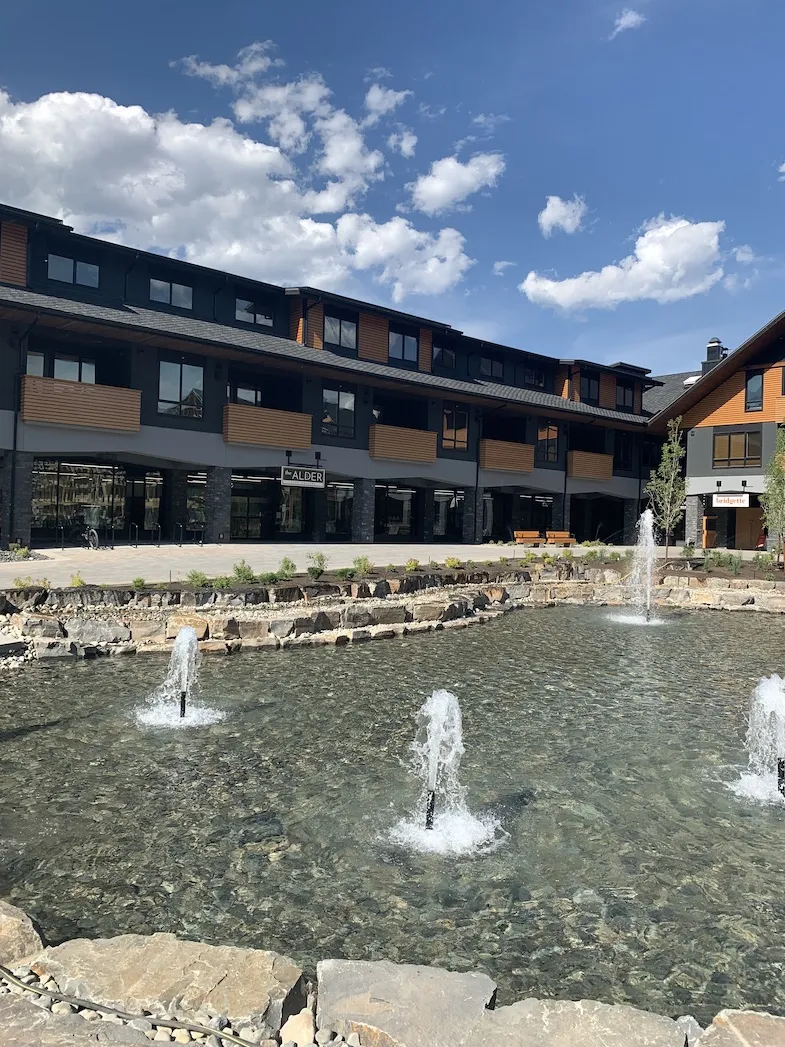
[{"x": 302, "y": 476}]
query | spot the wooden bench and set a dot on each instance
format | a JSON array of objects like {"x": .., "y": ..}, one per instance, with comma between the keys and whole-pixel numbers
[
  {"x": 528, "y": 538},
  {"x": 559, "y": 538}
]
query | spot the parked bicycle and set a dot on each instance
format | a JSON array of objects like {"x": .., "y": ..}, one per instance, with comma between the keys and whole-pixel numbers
[{"x": 84, "y": 536}]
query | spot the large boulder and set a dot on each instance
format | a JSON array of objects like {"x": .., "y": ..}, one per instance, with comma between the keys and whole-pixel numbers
[
  {"x": 138, "y": 973},
  {"x": 744, "y": 1029},
  {"x": 37, "y": 625},
  {"x": 86, "y": 631},
  {"x": 564, "y": 1023},
  {"x": 18, "y": 936},
  {"x": 180, "y": 621},
  {"x": 25, "y": 1024}
]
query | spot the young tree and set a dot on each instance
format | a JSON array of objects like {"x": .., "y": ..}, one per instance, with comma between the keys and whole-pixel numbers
[
  {"x": 772, "y": 501},
  {"x": 667, "y": 487}
]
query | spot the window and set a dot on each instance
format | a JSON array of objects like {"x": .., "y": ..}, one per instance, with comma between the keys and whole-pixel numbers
[
  {"x": 72, "y": 369},
  {"x": 532, "y": 376},
  {"x": 455, "y": 428},
  {"x": 737, "y": 450},
  {"x": 444, "y": 358},
  {"x": 252, "y": 314},
  {"x": 753, "y": 391},
  {"x": 338, "y": 331},
  {"x": 590, "y": 387},
  {"x": 35, "y": 364},
  {"x": 69, "y": 271},
  {"x": 403, "y": 346},
  {"x": 338, "y": 410},
  {"x": 180, "y": 389},
  {"x": 625, "y": 395},
  {"x": 179, "y": 295},
  {"x": 490, "y": 367},
  {"x": 547, "y": 442},
  {"x": 245, "y": 394},
  {"x": 623, "y": 451}
]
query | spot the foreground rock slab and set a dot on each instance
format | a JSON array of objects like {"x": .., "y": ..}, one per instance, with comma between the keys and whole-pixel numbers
[
  {"x": 564, "y": 1023},
  {"x": 744, "y": 1029},
  {"x": 18, "y": 936},
  {"x": 24, "y": 1024},
  {"x": 161, "y": 974}
]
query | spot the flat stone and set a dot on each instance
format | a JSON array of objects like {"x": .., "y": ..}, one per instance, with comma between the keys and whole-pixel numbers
[
  {"x": 23, "y": 1024},
  {"x": 214, "y": 647},
  {"x": 224, "y": 629},
  {"x": 357, "y": 617},
  {"x": 281, "y": 627},
  {"x": 18, "y": 936},
  {"x": 138, "y": 973},
  {"x": 360, "y": 635},
  {"x": 388, "y": 614},
  {"x": 299, "y": 1029},
  {"x": 563, "y": 1023},
  {"x": 87, "y": 631},
  {"x": 42, "y": 626},
  {"x": 11, "y": 648},
  {"x": 427, "y": 612},
  {"x": 254, "y": 630},
  {"x": 148, "y": 632},
  {"x": 179, "y": 621},
  {"x": 744, "y": 1029}
]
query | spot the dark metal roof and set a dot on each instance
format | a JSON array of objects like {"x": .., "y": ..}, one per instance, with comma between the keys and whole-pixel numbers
[
  {"x": 632, "y": 369},
  {"x": 33, "y": 217},
  {"x": 151, "y": 321},
  {"x": 355, "y": 303},
  {"x": 671, "y": 386}
]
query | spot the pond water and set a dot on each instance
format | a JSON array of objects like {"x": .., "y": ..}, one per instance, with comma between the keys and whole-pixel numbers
[{"x": 630, "y": 870}]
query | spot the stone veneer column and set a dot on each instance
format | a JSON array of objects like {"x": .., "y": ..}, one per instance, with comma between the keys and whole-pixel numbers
[
  {"x": 722, "y": 528},
  {"x": 174, "y": 502},
  {"x": 363, "y": 510},
  {"x": 693, "y": 521},
  {"x": 425, "y": 514},
  {"x": 218, "y": 505},
  {"x": 21, "y": 478},
  {"x": 560, "y": 513},
  {"x": 630, "y": 521},
  {"x": 472, "y": 515}
]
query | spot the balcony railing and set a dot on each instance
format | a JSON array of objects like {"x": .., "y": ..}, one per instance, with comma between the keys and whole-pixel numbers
[
  {"x": 506, "y": 456},
  {"x": 403, "y": 445},
  {"x": 586, "y": 465},
  {"x": 51, "y": 401},
  {"x": 264, "y": 427}
]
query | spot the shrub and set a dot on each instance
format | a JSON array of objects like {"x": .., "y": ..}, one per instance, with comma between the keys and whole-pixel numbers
[
  {"x": 763, "y": 561},
  {"x": 592, "y": 555},
  {"x": 628, "y": 554},
  {"x": 197, "y": 578},
  {"x": 566, "y": 554},
  {"x": 316, "y": 565},
  {"x": 223, "y": 581},
  {"x": 347, "y": 573},
  {"x": 733, "y": 562},
  {"x": 453, "y": 563},
  {"x": 77, "y": 581},
  {"x": 412, "y": 565},
  {"x": 23, "y": 583},
  {"x": 470, "y": 565},
  {"x": 21, "y": 552},
  {"x": 548, "y": 560},
  {"x": 138, "y": 583},
  {"x": 688, "y": 552},
  {"x": 287, "y": 568},
  {"x": 527, "y": 557},
  {"x": 594, "y": 542},
  {"x": 434, "y": 564},
  {"x": 362, "y": 565},
  {"x": 614, "y": 557},
  {"x": 391, "y": 568},
  {"x": 712, "y": 559},
  {"x": 243, "y": 573},
  {"x": 268, "y": 578}
]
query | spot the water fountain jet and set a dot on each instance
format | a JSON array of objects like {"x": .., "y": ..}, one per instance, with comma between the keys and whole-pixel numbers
[
  {"x": 171, "y": 703},
  {"x": 764, "y": 779}
]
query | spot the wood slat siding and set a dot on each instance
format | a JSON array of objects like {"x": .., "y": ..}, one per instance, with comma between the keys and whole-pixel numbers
[
  {"x": 296, "y": 320},
  {"x": 314, "y": 325},
  {"x": 402, "y": 445},
  {"x": 585, "y": 465},
  {"x": 506, "y": 456},
  {"x": 13, "y": 254},
  {"x": 54, "y": 402},
  {"x": 426, "y": 349},
  {"x": 373, "y": 338},
  {"x": 608, "y": 391},
  {"x": 562, "y": 386},
  {"x": 264, "y": 427},
  {"x": 725, "y": 404}
]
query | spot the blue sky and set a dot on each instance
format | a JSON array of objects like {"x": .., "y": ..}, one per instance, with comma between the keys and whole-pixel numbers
[{"x": 655, "y": 126}]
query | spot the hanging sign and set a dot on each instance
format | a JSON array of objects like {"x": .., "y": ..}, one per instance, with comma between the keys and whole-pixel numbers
[
  {"x": 731, "y": 501},
  {"x": 302, "y": 476}
]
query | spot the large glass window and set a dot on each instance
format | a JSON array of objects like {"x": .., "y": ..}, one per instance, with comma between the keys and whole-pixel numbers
[
  {"x": 623, "y": 451},
  {"x": 403, "y": 346},
  {"x": 491, "y": 367},
  {"x": 340, "y": 501},
  {"x": 75, "y": 495},
  {"x": 737, "y": 450},
  {"x": 340, "y": 332},
  {"x": 338, "y": 402},
  {"x": 290, "y": 518},
  {"x": 74, "y": 369},
  {"x": 249, "y": 313},
  {"x": 35, "y": 364},
  {"x": 71, "y": 271},
  {"x": 395, "y": 515},
  {"x": 448, "y": 515},
  {"x": 179, "y": 295},
  {"x": 180, "y": 389},
  {"x": 455, "y": 428},
  {"x": 534, "y": 377},
  {"x": 625, "y": 395},
  {"x": 753, "y": 391},
  {"x": 444, "y": 358},
  {"x": 590, "y": 387},
  {"x": 547, "y": 449}
]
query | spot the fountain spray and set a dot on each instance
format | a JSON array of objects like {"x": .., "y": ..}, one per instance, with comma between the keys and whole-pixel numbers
[
  {"x": 765, "y": 741},
  {"x": 643, "y": 564},
  {"x": 172, "y": 703}
]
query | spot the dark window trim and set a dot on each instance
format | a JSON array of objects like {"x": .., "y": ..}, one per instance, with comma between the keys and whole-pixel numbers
[
  {"x": 405, "y": 332},
  {"x": 453, "y": 444},
  {"x": 73, "y": 282},
  {"x": 180, "y": 359},
  {"x": 524, "y": 369},
  {"x": 753, "y": 373},
  {"x": 748, "y": 461},
  {"x": 172, "y": 283},
  {"x": 340, "y": 387},
  {"x": 627, "y": 386},
  {"x": 343, "y": 317},
  {"x": 493, "y": 362},
  {"x": 621, "y": 438},
  {"x": 547, "y": 455},
  {"x": 258, "y": 310},
  {"x": 589, "y": 376},
  {"x": 438, "y": 361}
]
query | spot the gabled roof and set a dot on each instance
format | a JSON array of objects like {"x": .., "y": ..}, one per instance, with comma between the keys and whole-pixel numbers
[{"x": 668, "y": 389}]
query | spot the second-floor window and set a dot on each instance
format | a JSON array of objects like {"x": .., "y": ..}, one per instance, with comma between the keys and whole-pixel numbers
[
  {"x": 491, "y": 367},
  {"x": 623, "y": 451},
  {"x": 455, "y": 428},
  {"x": 590, "y": 387},
  {"x": 534, "y": 377},
  {"x": 340, "y": 332},
  {"x": 74, "y": 369},
  {"x": 444, "y": 358},
  {"x": 753, "y": 391},
  {"x": 737, "y": 450},
  {"x": 403, "y": 346},
  {"x": 179, "y": 295},
  {"x": 338, "y": 402},
  {"x": 249, "y": 395},
  {"x": 180, "y": 389},
  {"x": 35, "y": 365},
  {"x": 625, "y": 395},
  {"x": 547, "y": 449},
  {"x": 249, "y": 313},
  {"x": 71, "y": 271}
]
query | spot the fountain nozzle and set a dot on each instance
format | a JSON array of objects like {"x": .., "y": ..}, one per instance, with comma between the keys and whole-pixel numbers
[
  {"x": 182, "y": 704},
  {"x": 430, "y": 807},
  {"x": 781, "y": 776}
]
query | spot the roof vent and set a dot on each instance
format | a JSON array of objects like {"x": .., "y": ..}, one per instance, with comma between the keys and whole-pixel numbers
[{"x": 691, "y": 380}]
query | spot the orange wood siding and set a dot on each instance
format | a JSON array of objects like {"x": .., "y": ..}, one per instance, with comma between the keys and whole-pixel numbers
[
  {"x": 373, "y": 338},
  {"x": 54, "y": 402},
  {"x": 296, "y": 319},
  {"x": 314, "y": 325},
  {"x": 562, "y": 386},
  {"x": 608, "y": 391},
  {"x": 506, "y": 456},
  {"x": 265, "y": 427},
  {"x": 585, "y": 465},
  {"x": 13, "y": 254},
  {"x": 426, "y": 349},
  {"x": 725, "y": 404},
  {"x": 402, "y": 445}
]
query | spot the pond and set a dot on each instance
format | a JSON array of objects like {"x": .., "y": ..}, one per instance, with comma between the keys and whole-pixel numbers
[{"x": 628, "y": 871}]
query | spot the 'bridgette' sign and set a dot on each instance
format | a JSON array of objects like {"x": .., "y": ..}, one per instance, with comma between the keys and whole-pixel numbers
[{"x": 302, "y": 476}]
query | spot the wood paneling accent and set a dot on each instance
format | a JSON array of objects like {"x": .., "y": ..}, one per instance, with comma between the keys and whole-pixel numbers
[
  {"x": 507, "y": 456},
  {"x": 426, "y": 349},
  {"x": 585, "y": 465},
  {"x": 296, "y": 319},
  {"x": 402, "y": 445},
  {"x": 373, "y": 338},
  {"x": 314, "y": 325},
  {"x": 608, "y": 390},
  {"x": 562, "y": 385},
  {"x": 13, "y": 254},
  {"x": 54, "y": 402},
  {"x": 725, "y": 404},
  {"x": 265, "y": 427}
]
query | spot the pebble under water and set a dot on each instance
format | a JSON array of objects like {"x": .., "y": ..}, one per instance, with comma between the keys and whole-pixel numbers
[{"x": 630, "y": 871}]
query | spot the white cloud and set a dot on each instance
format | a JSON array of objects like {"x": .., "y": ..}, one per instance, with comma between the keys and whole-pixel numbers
[
  {"x": 382, "y": 100},
  {"x": 499, "y": 267},
  {"x": 673, "y": 259},
  {"x": 251, "y": 61},
  {"x": 449, "y": 182},
  {"x": 378, "y": 72},
  {"x": 628, "y": 19},
  {"x": 433, "y": 112},
  {"x": 744, "y": 255},
  {"x": 489, "y": 123},
  {"x": 403, "y": 142},
  {"x": 286, "y": 107},
  {"x": 566, "y": 215}
]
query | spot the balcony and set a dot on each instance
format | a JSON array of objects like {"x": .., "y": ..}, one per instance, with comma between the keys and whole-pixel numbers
[
  {"x": 506, "y": 456},
  {"x": 264, "y": 427},
  {"x": 401, "y": 445},
  {"x": 50, "y": 401},
  {"x": 586, "y": 465}
]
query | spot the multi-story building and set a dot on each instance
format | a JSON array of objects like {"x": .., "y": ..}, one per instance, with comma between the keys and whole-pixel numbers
[{"x": 140, "y": 392}]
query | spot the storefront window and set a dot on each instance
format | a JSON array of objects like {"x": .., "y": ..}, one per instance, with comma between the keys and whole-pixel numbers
[
  {"x": 395, "y": 512},
  {"x": 340, "y": 501},
  {"x": 73, "y": 495},
  {"x": 448, "y": 515},
  {"x": 290, "y": 517}
]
